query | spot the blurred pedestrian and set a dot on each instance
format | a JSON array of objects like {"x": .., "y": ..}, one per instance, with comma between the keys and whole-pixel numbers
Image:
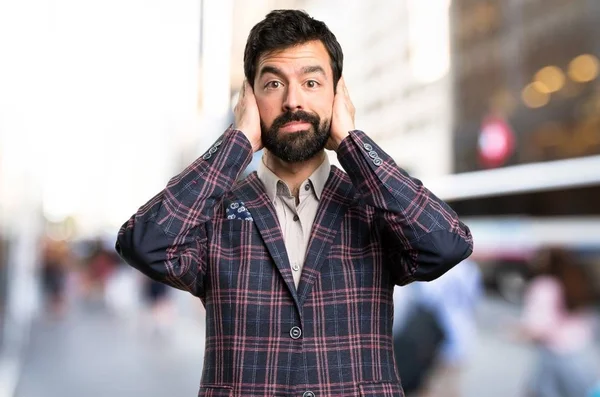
[
  {"x": 158, "y": 301},
  {"x": 558, "y": 320},
  {"x": 54, "y": 275},
  {"x": 444, "y": 320},
  {"x": 100, "y": 267}
]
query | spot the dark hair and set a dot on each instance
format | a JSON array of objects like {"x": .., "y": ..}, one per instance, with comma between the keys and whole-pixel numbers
[
  {"x": 577, "y": 286},
  {"x": 282, "y": 29}
]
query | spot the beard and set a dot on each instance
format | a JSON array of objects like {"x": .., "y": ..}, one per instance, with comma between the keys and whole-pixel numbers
[{"x": 295, "y": 147}]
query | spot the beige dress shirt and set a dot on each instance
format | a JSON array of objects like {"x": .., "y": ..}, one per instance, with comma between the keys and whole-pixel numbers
[{"x": 295, "y": 220}]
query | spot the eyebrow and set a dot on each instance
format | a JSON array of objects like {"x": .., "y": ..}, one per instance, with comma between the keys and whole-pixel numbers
[
  {"x": 305, "y": 70},
  {"x": 270, "y": 69},
  {"x": 313, "y": 69}
]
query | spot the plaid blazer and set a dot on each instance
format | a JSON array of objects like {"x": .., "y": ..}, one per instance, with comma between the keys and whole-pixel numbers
[{"x": 219, "y": 238}]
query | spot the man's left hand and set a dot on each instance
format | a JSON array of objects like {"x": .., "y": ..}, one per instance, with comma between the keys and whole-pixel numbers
[{"x": 342, "y": 121}]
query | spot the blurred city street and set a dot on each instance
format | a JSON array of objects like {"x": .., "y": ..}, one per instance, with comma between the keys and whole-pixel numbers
[
  {"x": 93, "y": 353},
  {"x": 493, "y": 105}
]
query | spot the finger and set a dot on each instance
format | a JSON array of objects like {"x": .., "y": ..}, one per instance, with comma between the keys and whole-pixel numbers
[
  {"x": 340, "y": 84},
  {"x": 249, "y": 90},
  {"x": 345, "y": 87},
  {"x": 243, "y": 90}
]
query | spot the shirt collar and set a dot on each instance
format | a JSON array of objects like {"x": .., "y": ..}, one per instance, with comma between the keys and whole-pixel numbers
[
  {"x": 318, "y": 179},
  {"x": 320, "y": 176}
]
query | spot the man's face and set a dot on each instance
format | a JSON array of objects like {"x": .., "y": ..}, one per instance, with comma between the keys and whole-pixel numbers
[{"x": 294, "y": 93}]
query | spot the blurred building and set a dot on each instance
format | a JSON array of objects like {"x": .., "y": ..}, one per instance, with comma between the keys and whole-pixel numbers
[
  {"x": 533, "y": 64},
  {"x": 526, "y": 92},
  {"x": 526, "y": 135}
]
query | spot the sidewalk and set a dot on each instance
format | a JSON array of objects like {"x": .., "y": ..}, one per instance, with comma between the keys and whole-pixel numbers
[{"x": 93, "y": 353}]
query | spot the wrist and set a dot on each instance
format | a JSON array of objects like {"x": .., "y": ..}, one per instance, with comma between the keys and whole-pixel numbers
[
  {"x": 337, "y": 139},
  {"x": 256, "y": 144}
]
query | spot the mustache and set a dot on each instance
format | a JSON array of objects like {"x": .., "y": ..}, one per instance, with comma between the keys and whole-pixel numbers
[{"x": 298, "y": 115}]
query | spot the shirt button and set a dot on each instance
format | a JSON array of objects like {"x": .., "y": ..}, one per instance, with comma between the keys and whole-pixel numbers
[
  {"x": 296, "y": 218},
  {"x": 295, "y": 268},
  {"x": 368, "y": 147},
  {"x": 295, "y": 333},
  {"x": 307, "y": 187},
  {"x": 308, "y": 394},
  {"x": 373, "y": 154},
  {"x": 377, "y": 161}
]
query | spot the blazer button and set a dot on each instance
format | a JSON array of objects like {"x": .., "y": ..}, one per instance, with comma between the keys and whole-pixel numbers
[
  {"x": 295, "y": 333},
  {"x": 308, "y": 394}
]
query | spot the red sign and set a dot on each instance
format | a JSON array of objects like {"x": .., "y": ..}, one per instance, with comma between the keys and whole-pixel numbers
[{"x": 496, "y": 142}]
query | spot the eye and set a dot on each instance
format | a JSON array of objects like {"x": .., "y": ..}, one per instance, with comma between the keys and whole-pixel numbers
[
  {"x": 312, "y": 84},
  {"x": 273, "y": 84}
]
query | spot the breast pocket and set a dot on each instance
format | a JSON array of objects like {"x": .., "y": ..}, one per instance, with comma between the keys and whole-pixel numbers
[{"x": 235, "y": 235}]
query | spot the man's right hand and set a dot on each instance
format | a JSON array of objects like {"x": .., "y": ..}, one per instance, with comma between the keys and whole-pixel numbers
[{"x": 247, "y": 118}]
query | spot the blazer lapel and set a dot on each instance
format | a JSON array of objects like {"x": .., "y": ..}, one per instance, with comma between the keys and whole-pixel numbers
[
  {"x": 251, "y": 191},
  {"x": 337, "y": 196}
]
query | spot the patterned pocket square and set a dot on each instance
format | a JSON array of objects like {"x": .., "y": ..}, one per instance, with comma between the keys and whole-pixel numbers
[{"x": 237, "y": 210}]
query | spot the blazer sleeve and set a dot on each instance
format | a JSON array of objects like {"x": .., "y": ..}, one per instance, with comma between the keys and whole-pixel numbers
[
  {"x": 167, "y": 238},
  {"x": 420, "y": 233}
]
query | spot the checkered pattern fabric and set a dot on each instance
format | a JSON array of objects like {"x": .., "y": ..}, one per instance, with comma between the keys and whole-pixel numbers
[{"x": 219, "y": 239}]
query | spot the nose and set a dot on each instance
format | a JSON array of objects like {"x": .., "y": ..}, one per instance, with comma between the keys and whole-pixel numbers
[{"x": 293, "y": 98}]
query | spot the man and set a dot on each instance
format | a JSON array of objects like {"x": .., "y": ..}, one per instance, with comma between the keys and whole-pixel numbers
[{"x": 296, "y": 264}]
